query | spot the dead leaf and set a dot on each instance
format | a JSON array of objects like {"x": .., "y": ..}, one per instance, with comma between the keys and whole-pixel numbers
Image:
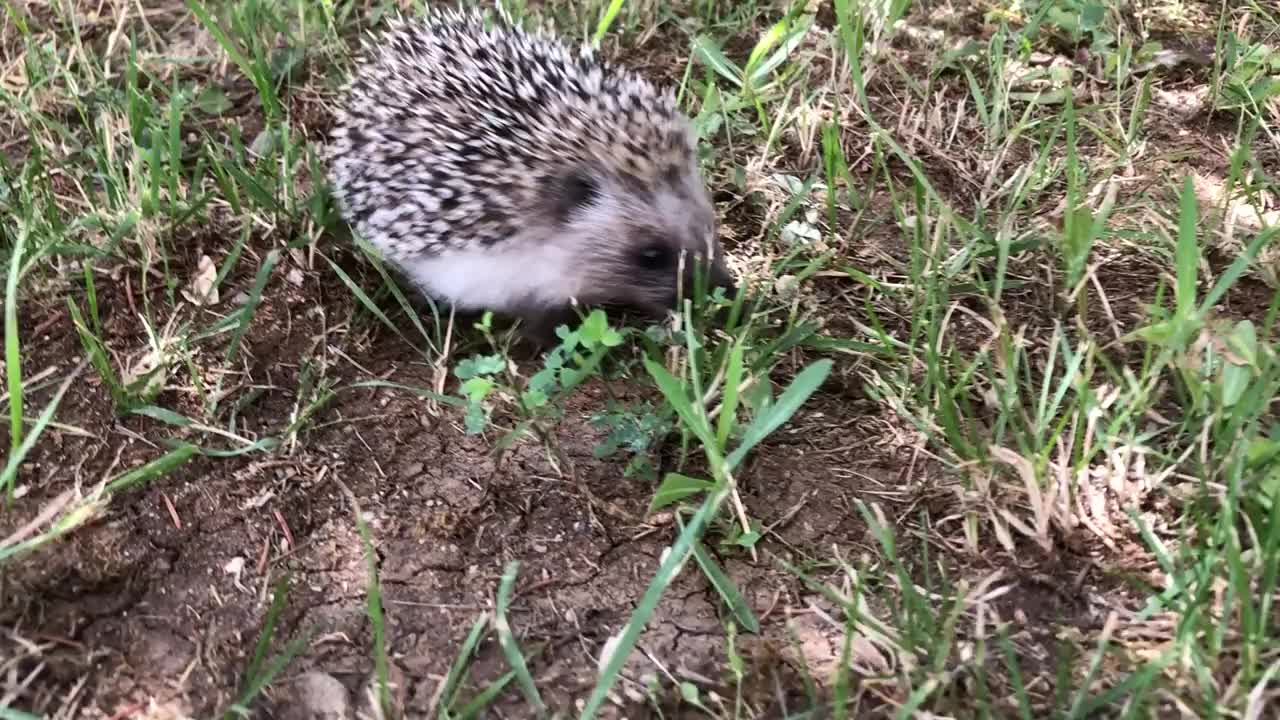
[{"x": 202, "y": 291}]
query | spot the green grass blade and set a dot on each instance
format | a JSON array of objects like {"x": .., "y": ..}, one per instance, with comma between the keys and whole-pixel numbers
[
  {"x": 459, "y": 666},
  {"x": 278, "y": 596},
  {"x": 726, "y": 588},
  {"x": 92, "y": 506},
  {"x": 1237, "y": 268},
  {"x": 260, "y": 682},
  {"x": 46, "y": 416},
  {"x": 674, "y": 392},
  {"x": 729, "y": 405},
  {"x": 374, "y": 606},
  {"x": 487, "y": 696},
  {"x": 244, "y": 316},
  {"x": 506, "y": 638},
  {"x": 365, "y": 300},
  {"x": 159, "y": 467},
  {"x": 606, "y": 20},
  {"x": 443, "y": 399},
  {"x": 12, "y": 345},
  {"x": 804, "y": 385},
  {"x": 667, "y": 571},
  {"x": 709, "y": 52},
  {"x": 1187, "y": 254},
  {"x": 676, "y": 487}
]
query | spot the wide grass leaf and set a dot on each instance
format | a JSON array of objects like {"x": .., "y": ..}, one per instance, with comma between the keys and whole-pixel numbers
[
  {"x": 507, "y": 640},
  {"x": 781, "y": 411},
  {"x": 676, "y": 487},
  {"x": 675, "y": 393},
  {"x": 726, "y": 588},
  {"x": 1187, "y": 255},
  {"x": 672, "y": 562}
]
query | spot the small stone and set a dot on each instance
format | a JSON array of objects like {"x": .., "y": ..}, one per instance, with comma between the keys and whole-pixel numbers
[
  {"x": 315, "y": 696},
  {"x": 164, "y": 652},
  {"x": 786, "y": 285}
]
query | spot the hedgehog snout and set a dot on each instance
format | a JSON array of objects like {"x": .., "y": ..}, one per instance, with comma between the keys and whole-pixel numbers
[
  {"x": 715, "y": 276},
  {"x": 720, "y": 278}
]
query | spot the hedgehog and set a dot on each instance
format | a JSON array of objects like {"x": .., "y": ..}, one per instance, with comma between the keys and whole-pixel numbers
[{"x": 502, "y": 170}]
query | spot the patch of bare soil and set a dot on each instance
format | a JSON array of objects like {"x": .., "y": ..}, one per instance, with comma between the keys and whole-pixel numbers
[{"x": 163, "y": 599}]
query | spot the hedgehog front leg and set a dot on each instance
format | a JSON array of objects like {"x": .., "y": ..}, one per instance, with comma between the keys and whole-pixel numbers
[{"x": 538, "y": 325}]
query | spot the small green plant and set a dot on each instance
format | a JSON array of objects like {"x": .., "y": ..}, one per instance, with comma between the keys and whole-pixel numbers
[
  {"x": 716, "y": 431},
  {"x": 1250, "y": 77},
  {"x": 633, "y": 432},
  {"x": 1070, "y": 20},
  {"x": 260, "y": 673},
  {"x": 761, "y": 80},
  {"x": 490, "y": 377}
]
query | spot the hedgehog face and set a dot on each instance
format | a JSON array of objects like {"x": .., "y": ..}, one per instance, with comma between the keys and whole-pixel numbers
[{"x": 639, "y": 244}]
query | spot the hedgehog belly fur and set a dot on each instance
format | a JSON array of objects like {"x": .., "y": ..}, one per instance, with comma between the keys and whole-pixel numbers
[{"x": 512, "y": 278}]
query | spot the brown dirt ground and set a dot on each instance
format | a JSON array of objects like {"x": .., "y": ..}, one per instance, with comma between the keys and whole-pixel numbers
[{"x": 140, "y": 605}]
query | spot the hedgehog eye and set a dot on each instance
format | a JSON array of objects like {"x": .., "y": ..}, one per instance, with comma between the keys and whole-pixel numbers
[
  {"x": 580, "y": 189},
  {"x": 576, "y": 191},
  {"x": 655, "y": 257}
]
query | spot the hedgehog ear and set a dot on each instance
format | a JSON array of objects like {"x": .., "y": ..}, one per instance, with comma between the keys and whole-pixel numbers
[{"x": 571, "y": 192}]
